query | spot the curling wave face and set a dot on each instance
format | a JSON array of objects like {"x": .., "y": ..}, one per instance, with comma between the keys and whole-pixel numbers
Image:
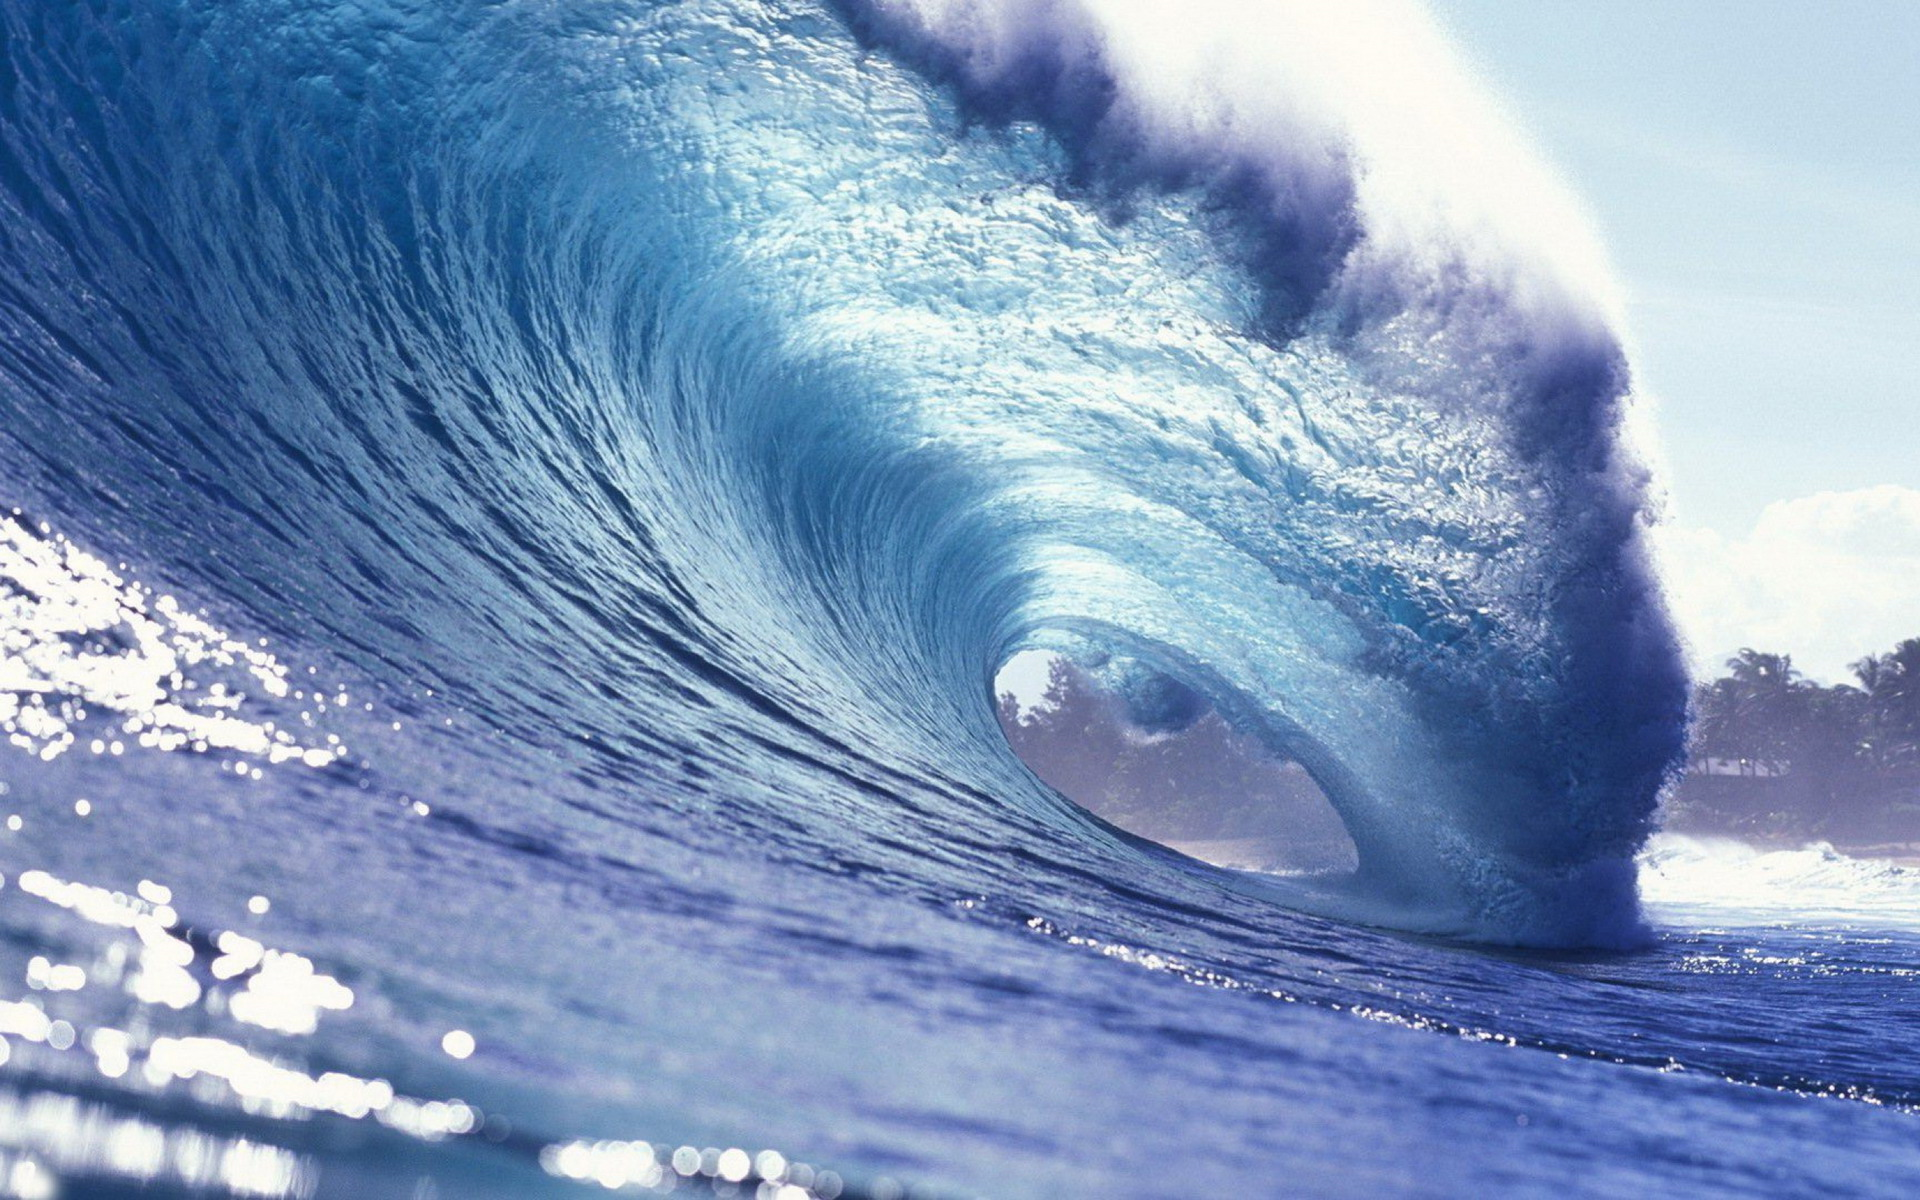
[
  {"x": 657, "y": 422},
  {"x": 853, "y": 375}
]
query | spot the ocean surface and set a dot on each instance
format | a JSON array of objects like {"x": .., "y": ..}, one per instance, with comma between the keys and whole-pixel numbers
[{"x": 510, "y": 514}]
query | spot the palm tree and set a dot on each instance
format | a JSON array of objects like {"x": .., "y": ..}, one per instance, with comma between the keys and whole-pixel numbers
[
  {"x": 1757, "y": 712},
  {"x": 1892, "y": 684}
]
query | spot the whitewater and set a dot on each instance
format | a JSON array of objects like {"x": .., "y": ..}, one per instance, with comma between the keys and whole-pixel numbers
[{"x": 510, "y": 516}]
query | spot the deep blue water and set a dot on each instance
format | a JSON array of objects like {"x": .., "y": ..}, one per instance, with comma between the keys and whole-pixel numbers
[{"x": 514, "y": 513}]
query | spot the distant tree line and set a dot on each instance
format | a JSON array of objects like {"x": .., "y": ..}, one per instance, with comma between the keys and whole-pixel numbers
[
  {"x": 1775, "y": 757},
  {"x": 1779, "y": 758},
  {"x": 1766, "y": 713}
]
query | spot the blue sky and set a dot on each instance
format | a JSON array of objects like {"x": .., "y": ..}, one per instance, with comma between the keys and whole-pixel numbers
[{"x": 1755, "y": 170}]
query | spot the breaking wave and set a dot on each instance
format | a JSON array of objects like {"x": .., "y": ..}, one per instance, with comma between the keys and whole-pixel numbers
[
  {"x": 516, "y": 510},
  {"x": 936, "y": 334}
]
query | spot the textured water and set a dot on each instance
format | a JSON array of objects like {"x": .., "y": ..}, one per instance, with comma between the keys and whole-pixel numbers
[{"x": 513, "y": 512}]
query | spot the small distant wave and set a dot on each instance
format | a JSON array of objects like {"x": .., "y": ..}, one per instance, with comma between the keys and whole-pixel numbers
[{"x": 1723, "y": 882}]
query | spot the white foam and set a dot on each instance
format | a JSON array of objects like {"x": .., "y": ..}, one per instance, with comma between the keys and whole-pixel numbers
[{"x": 1693, "y": 882}]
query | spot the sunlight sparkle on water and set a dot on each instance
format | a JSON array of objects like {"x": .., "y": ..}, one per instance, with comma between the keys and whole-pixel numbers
[
  {"x": 81, "y": 646},
  {"x": 46, "y": 1137}
]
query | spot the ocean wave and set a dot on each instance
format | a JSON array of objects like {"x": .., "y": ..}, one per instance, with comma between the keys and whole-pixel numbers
[
  {"x": 819, "y": 394},
  {"x": 517, "y": 509}
]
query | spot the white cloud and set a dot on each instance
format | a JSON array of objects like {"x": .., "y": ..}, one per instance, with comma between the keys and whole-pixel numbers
[{"x": 1827, "y": 578}]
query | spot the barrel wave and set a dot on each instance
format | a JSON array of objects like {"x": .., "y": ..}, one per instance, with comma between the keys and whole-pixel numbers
[
  {"x": 831, "y": 387},
  {"x": 669, "y": 416}
]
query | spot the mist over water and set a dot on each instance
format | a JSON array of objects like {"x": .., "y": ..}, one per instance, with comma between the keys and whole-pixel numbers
[{"x": 514, "y": 513}]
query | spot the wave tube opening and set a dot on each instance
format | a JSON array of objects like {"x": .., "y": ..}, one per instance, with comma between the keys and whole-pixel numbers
[{"x": 1145, "y": 752}]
